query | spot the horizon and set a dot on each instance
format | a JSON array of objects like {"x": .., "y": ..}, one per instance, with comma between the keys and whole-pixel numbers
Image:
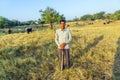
[{"x": 29, "y": 10}]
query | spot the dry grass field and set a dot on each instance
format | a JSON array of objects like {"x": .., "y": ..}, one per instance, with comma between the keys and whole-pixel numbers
[{"x": 94, "y": 54}]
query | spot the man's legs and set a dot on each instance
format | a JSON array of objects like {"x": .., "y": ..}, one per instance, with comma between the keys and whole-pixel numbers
[
  {"x": 67, "y": 53},
  {"x": 61, "y": 58}
]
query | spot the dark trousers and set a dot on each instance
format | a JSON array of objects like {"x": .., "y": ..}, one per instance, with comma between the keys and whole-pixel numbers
[{"x": 66, "y": 53}]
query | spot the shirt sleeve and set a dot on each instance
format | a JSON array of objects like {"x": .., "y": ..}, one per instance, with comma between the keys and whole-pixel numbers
[
  {"x": 70, "y": 37},
  {"x": 56, "y": 38}
]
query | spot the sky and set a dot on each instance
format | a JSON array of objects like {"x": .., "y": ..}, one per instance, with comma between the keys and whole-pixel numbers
[{"x": 24, "y": 10}]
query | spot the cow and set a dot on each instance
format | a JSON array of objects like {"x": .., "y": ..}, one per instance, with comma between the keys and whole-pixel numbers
[
  {"x": 107, "y": 22},
  {"x": 68, "y": 25},
  {"x": 90, "y": 23},
  {"x": 9, "y": 31},
  {"x": 29, "y": 30}
]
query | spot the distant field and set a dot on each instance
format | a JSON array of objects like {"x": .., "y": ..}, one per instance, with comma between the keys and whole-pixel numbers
[
  {"x": 21, "y": 29},
  {"x": 94, "y": 54}
]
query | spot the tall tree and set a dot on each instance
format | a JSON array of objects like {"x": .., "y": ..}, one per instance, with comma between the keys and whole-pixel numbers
[{"x": 49, "y": 15}]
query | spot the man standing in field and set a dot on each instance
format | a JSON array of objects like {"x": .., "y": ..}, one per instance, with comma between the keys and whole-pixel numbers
[{"x": 63, "y": 38}]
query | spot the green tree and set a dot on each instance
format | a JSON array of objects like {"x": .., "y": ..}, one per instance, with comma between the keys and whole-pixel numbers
[
  {"x": 76, "y": 19},
  {"x": 117, "y": 15},
  {"x": 87, "y": 17},
  {"x": 117, "y": 12},
  {"x": 41, "y": 22},
  {"x": 99, "y": 15},
  {"x": 15, "y": 23},
  {"x": 31, "y": 22},
  {"x": 49, "y": 15},
  {"x": 4, "y": 22},
  {"x": 108, "y": 16}
]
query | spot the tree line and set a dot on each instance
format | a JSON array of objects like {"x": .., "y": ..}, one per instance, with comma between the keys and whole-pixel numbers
[
  {"x": 6, "y": 23},
  {"x": 50, "y": 16},
  {"x": 99, "y": 15}
]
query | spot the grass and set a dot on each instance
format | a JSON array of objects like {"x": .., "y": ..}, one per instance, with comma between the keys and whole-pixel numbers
[{"x": 94, "y": 54}]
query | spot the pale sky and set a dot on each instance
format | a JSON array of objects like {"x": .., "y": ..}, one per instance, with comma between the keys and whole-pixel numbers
[{"x": 24, "y": 10}]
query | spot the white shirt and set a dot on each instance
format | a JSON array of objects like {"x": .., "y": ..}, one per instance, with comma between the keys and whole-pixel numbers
[{"x": 63, "y": 37}]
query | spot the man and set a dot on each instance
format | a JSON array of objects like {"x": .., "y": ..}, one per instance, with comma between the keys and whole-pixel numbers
[{"x": 63, "y": 38}]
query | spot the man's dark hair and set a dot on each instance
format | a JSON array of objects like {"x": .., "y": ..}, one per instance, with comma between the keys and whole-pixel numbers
[{"x": 63, "y": 21}]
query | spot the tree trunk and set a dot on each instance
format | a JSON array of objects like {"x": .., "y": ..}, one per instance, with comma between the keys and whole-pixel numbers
[{"x": 51, "y": 25}]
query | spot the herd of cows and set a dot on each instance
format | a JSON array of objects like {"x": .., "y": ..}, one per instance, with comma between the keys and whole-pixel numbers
[
  {"x": 103, "y": 22},
  {"x": 29, "y": 29}
]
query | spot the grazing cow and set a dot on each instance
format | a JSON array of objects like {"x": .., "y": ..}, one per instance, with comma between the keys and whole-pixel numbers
[
  {"x": 68, "y": 25},
  {"x": 29, "y": 30},
  {"x": 90, "y": 23},
  {"x": 104, "y": 23},
  {"x": 107, "y": 22},
  {"x": 9, "y": 31},
  {"x": 76, "y": 23}
]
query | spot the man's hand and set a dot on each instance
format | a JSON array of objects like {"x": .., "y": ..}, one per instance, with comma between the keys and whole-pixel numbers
[{"x": 62, "y": 45}]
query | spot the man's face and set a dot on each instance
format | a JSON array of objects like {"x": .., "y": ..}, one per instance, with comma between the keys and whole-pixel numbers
[{"x": 62, "y": 24}]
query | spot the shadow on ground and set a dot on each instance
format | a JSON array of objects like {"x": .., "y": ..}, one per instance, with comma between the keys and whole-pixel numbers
[{"x": 116, "y": 64}]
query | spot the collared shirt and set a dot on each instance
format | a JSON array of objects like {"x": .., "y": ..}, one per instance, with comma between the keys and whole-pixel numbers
[{"x": 63, "y": 37}]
